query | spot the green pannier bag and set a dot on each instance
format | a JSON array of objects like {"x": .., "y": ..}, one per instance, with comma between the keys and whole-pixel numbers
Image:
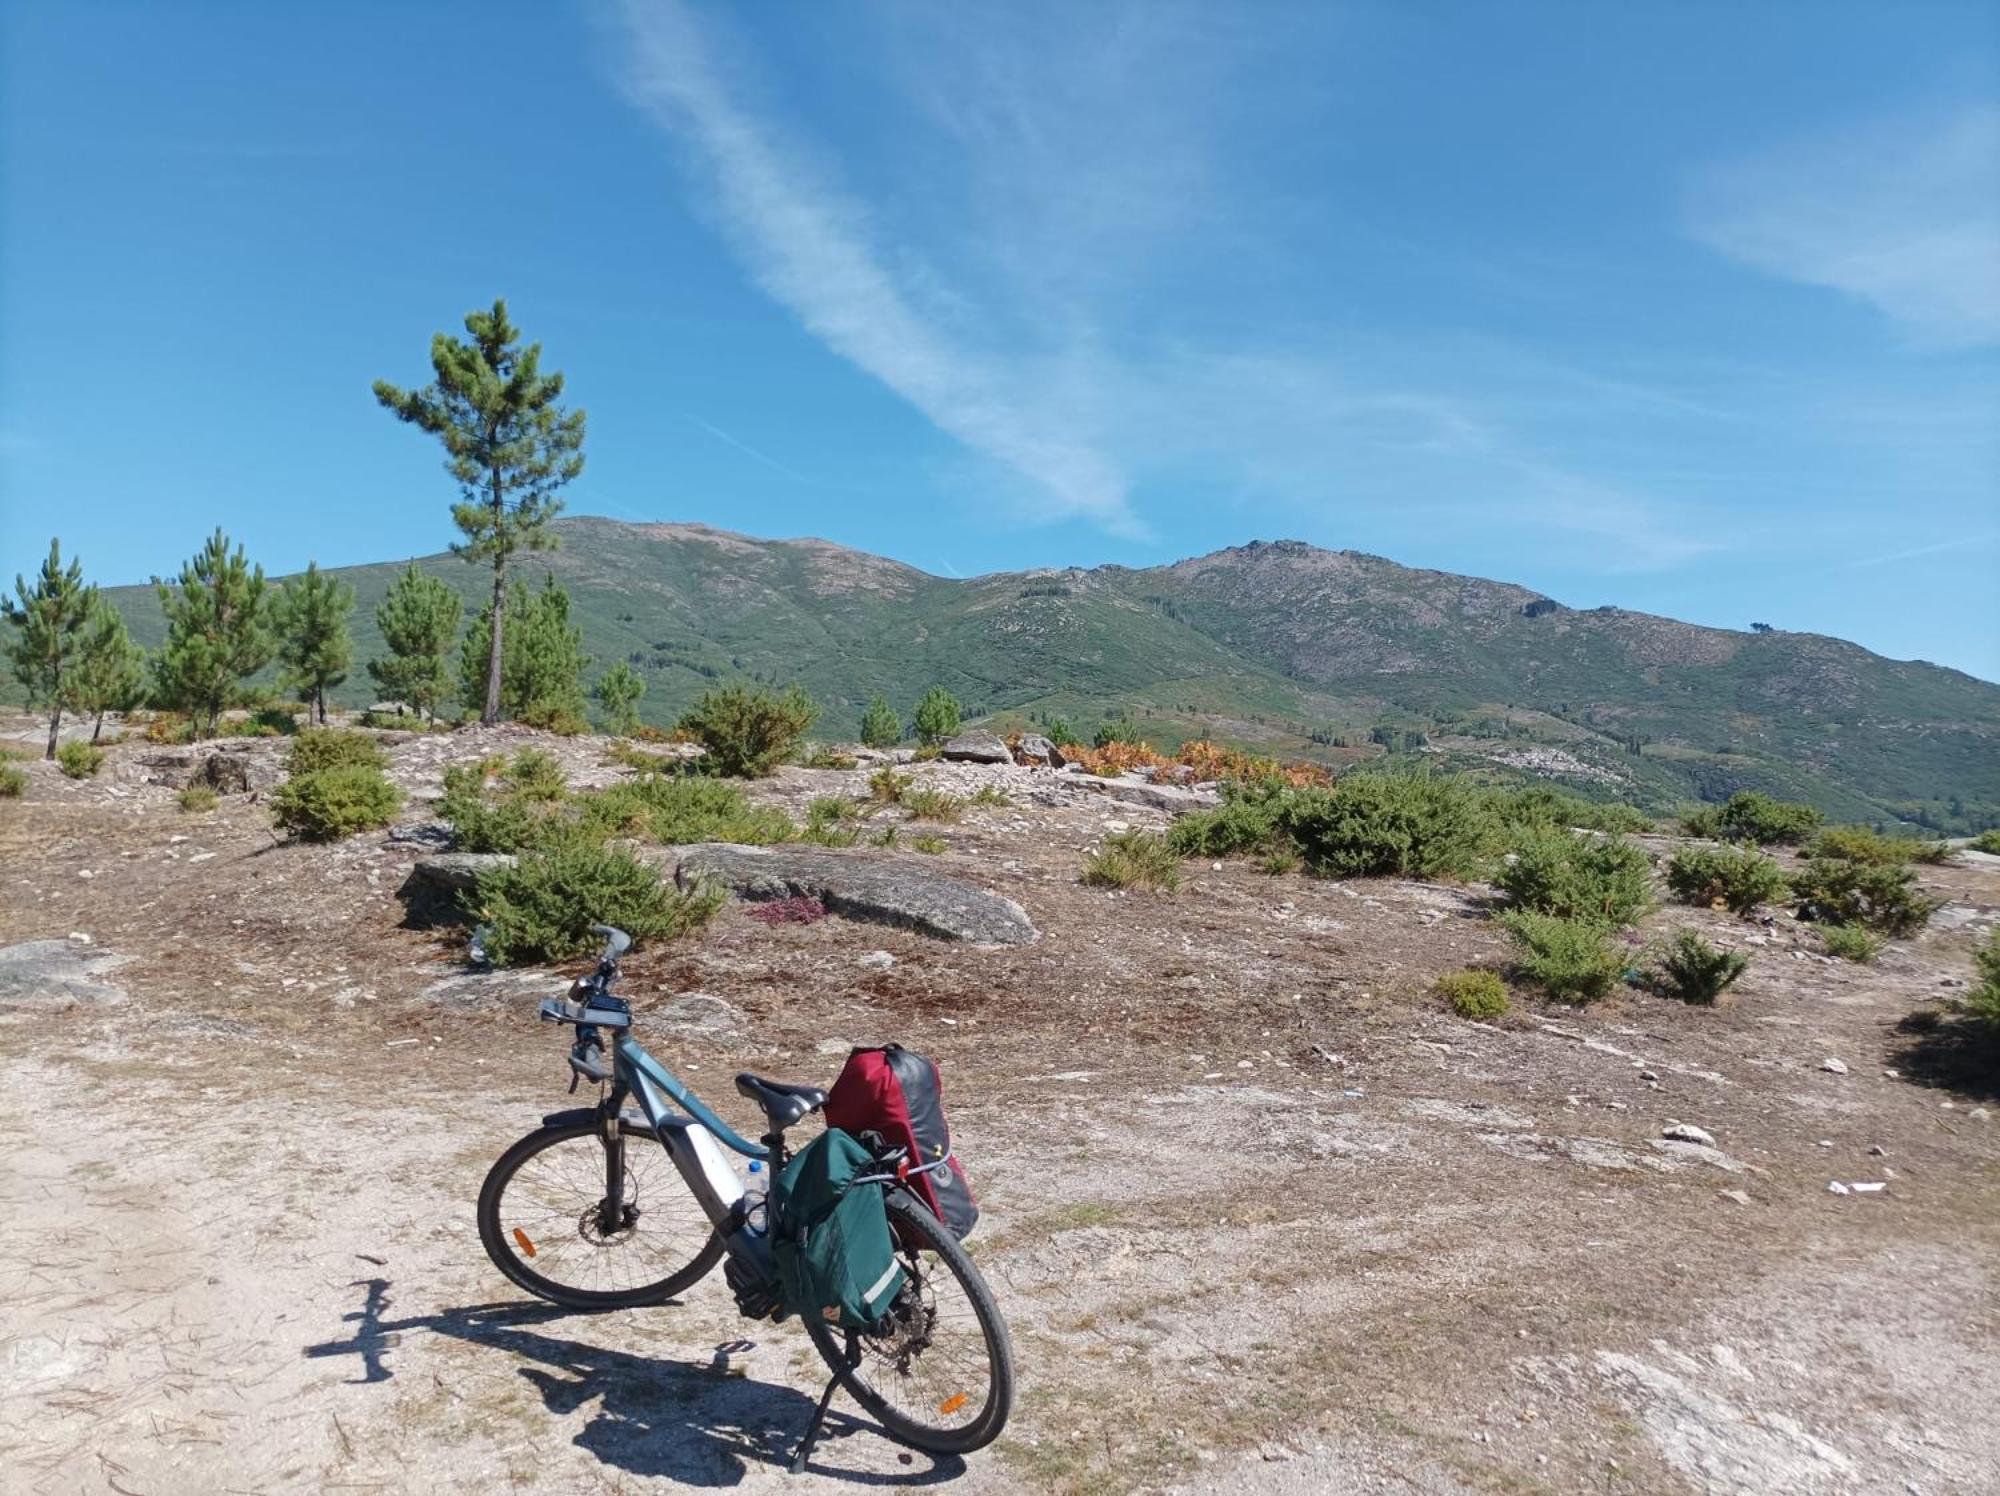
[{"x": 835, "y": 1254}]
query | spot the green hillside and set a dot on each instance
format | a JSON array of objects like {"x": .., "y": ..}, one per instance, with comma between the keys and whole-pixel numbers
[{"x": 1284, "y": 645}]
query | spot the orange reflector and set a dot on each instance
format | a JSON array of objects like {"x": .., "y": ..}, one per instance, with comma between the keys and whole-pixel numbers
[
  {"x": 953, "y": 1403},
  {"x": 522, "y": 1237}
]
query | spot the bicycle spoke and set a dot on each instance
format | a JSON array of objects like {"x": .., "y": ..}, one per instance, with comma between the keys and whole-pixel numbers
[{"x": 555, "y": 1200}]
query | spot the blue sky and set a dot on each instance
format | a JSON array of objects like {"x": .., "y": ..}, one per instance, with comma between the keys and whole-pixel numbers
[{"x": 1690, "y": 308}]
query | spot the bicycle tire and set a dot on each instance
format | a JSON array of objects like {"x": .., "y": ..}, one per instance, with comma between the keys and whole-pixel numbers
[
  {"x": 911, "y": 1219},
  {"x": 502, "y": 1237}
]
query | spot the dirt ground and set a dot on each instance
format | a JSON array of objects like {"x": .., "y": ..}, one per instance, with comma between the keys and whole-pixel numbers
[{"x": 1262, "y": 1215}]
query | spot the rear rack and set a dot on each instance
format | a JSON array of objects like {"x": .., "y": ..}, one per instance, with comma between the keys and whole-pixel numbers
[{"x": 902, "y": 1171}]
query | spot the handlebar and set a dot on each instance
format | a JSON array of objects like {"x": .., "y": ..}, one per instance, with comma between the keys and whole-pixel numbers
[{"x": 593, "y": 1009}]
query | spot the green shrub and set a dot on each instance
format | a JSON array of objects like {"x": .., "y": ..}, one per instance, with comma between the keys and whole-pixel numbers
[
  {"x": 78, "y": 759},
  {"x": 1694, "y": 971},
  {"x": 928, "y": 804},
  {"x": 333, "y": 748},
  {"x": 1855, "y": 943},
  {"x": 887, "y": 785},
  {"x": 936, "y": 717},
  {"x": 548, "y": 716},
  {"x": 1246, "y": 821},
  {"x": 680, "y": 812},
  {"x": 1859, "y": 844},
  {"x": 1571, "y": 959},
  {"x": 328, "y": 804},
  {"x": 535, "y": 776},
  {"x": 990, "y": 795},
  {"x": 1753, "y": 817},
  {"x": 1983, "y": 1001},
  {"x": 1832, "y": 891},
  {"x": 888, "y": 836},
  {"x": 749, "y": 732},
  {"x": 1059, "y": 732},
  {"x": 624, "y": 754},
  {"x": 1578, "y": 877},
  {"x": 1704, "y": 821},
  {"x": 1473, "y": 994},
  {"x": 930, "y": 844},
  {"x": 1134, "y": 859},
  {"x": 198, "y": 799},
  {"x": 1736, "y": 877},
  {"x": 1385, "y": 824},
  {"x": 819, "y": 756},
  {"x": 542, "y": 908},
  {"x": 13, "y": 783},
  {"x": 829, "y": 822},
  {"x": 1119, "y": 729},
  {"x": 1542, "y": 806},
  {"x": 1278, "y": 863},
  {"x": 1988, "y": 842},
  {"x": 483, "y": 822}
]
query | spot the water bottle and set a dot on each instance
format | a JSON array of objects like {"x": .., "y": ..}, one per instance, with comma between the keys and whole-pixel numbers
[{"x": 756, "y": 1201}]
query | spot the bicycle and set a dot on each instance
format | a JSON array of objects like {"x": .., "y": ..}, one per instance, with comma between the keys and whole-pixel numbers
[{"x": 573, "y": 1216}]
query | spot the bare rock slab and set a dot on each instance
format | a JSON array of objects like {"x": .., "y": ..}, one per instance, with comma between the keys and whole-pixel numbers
[
  {"x": 1135, "y": 789},
  {"x": 57, "y": 973},
  {"x": 1038, "y": 751},
  {"x": 878, "y": 890},
  {"x": 454, "y": 872},
  {"x": 977, "y": 748},
  {"x": 431, "y": 892}
]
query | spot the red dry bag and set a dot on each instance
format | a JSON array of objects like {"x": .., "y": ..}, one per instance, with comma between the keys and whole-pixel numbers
[{"x": 897, "y": 1096}]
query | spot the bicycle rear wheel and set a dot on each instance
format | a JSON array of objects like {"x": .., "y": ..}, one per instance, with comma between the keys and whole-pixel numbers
[
  {"x": 940, "y": 1372},
  {"x": 547, "y": 1220}
]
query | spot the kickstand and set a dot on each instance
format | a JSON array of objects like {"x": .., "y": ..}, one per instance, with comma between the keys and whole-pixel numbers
[{"x": 819, "y": 1413}]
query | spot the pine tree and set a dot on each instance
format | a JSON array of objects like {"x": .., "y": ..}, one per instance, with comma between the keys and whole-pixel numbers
[
  {"x": 418, "y": 618},
  {"x": 548, "y": 662},
  {"x": 218, "y": 631},
  {"x": 50, "y": 620},
  {"x": 509, "y": 445},
  {"x": 310, "y": 615},
  {"x": 618, "y": 692},
  {"x": 543, "y": 661},
  {"x": 937, "y": 716},
  {"x": 110, "y": 675},
  {"x": 880, "y": 726}
]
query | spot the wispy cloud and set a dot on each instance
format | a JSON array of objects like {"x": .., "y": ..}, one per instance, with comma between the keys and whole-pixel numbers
[
  {"x": 1903, "y": 214},
  {"x": 1016, "y": 266},
  {"x": 809, "y": 248},
  {"x": 1936, "y": 548},
  {"x": 747, "y": 450}
]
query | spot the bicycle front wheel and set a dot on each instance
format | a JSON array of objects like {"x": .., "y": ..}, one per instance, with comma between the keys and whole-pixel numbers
[
  {"x": 549, "y": 1219},
  {"x": 939, "y": 1372}
]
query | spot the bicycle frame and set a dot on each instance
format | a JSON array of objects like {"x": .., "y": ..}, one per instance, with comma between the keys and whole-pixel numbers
[{"x": 690, "y": 1132}]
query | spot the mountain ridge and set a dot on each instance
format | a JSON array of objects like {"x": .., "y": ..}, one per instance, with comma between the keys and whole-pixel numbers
[{"x": 1278, "y": 644}]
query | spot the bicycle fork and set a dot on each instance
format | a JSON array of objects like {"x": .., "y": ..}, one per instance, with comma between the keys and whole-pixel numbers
[{"x": 611, "y": 1209}]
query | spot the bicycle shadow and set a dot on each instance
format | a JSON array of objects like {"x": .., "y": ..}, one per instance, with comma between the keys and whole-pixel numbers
[{"x": 679, "y": 1420}]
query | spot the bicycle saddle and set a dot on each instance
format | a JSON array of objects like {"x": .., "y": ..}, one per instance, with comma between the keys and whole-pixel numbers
[{"x": 783, "y": 1104}]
